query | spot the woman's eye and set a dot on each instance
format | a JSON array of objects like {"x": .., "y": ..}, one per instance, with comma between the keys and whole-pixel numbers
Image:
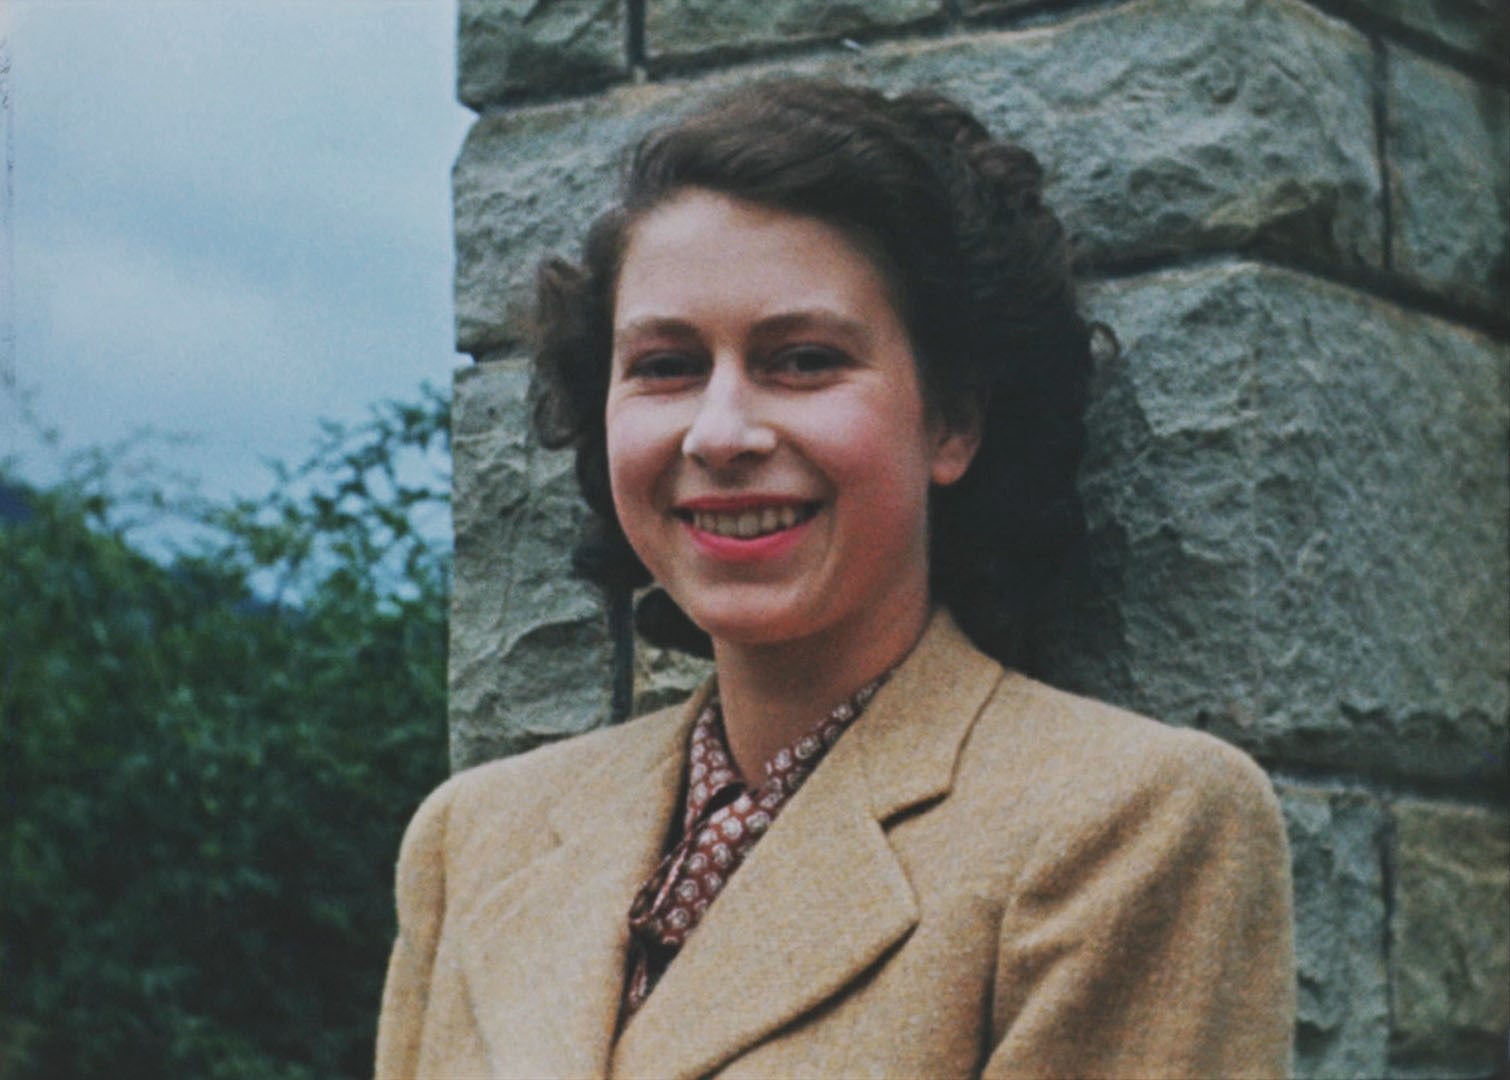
[
  {"x": 806, "y": 361},
  {"x": 658, "y": 366}
]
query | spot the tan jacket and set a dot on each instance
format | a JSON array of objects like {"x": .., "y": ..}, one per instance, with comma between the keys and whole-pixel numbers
[{"x": 985, "y": 876}]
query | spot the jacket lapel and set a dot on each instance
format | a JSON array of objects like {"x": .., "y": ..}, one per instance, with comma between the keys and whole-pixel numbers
[
  {"x": 822, "y": 897},
  {"x": 546, "y": 947}
]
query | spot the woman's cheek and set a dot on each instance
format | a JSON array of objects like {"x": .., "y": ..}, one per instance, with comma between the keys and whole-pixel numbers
[
  {"x": 878, "y": 452},
  {"x": 638, "y": 464}
]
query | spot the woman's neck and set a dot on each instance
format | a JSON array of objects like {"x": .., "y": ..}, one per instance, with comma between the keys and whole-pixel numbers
[{"x": 772, "y": 695}]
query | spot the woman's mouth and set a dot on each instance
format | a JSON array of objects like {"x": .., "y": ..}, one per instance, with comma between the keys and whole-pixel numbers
[{"x": 749, "y": 524}]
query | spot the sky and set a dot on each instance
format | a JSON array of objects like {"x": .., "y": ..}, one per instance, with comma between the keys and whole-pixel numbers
[{"x": 226, "y": 221}]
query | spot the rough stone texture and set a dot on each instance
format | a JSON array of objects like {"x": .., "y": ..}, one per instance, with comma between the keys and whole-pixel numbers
[
  {"x": 1179, "y": 125},
  {"x": 985, "y": 7},
  {"x": 529, "y": 651},
  {"x": 1450, "y": 958},
  {"x": 526, "y": 184},
  {"x": 664, "y": 676},
  {"x": 1165, "y": 126},
  {"x": 1448, "y": 147},
  {"x": 685, "y": 27},
  {"x": 1342, "y": 1014},
  {"x": 509, "y": 47},
  {"x": 1298, "y": 499},
  {"x": 1478, "y": 27}
]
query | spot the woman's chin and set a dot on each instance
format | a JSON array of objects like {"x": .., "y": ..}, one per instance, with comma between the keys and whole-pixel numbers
[{"x": 753, "y": 627}]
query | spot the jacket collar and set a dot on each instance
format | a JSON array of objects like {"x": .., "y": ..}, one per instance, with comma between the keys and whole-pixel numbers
[{"x": 546, "y": 992}]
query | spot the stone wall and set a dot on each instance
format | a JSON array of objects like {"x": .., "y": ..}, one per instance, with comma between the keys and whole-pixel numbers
[{"x": 1297, "y": 218}]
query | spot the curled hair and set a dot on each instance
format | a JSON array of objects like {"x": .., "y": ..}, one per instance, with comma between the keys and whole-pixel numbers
[{"x": 979, "y": 268}]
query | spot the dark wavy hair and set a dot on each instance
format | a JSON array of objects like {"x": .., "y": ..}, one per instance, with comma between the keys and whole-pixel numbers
[{"x": 979, "y": 266}]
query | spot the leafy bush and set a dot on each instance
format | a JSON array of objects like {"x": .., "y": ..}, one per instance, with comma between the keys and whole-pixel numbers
[{"x": 202, "y": 789}]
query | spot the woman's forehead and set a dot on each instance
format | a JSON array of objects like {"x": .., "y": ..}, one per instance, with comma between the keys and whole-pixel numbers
[{"x": 703, "y": 251}]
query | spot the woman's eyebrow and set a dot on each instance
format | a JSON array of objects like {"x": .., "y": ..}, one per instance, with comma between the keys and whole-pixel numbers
[
  {"x": 653, "y": 326},
  {"x": 856, "y": 332},
  {"x": 785, "y": 322}
]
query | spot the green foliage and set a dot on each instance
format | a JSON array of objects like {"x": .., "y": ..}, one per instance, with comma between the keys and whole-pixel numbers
[{"x": 201, "y": 790}]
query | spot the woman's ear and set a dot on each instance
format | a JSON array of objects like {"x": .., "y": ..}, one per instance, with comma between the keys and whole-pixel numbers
[{"x": 956, "y": 438}]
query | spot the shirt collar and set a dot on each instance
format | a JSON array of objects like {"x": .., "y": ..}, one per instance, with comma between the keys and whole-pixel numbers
[{"x": 712, "y": 780}]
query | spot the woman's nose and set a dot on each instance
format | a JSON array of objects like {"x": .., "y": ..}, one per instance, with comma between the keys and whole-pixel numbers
[{"x": 728, "y": 425}]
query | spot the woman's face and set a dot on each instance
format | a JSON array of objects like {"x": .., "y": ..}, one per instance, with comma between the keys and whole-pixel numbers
[{"x": 769, "y": 449}]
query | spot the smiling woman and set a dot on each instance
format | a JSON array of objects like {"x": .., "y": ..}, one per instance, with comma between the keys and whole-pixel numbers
[
  {"x": 824, "y": 375},
  {"x": 770, "y": 454}
]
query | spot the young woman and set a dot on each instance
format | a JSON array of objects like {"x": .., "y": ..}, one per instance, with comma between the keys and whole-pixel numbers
[{"x": 824, "y": 376}]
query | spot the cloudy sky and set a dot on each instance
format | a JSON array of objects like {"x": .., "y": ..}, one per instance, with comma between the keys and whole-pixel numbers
[{"x": 227, "y": 220}]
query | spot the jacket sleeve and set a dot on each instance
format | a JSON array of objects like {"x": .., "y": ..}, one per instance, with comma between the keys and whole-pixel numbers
[
  {"x": 1156, "y": 940},
  {"x": 421, "y": 897}
]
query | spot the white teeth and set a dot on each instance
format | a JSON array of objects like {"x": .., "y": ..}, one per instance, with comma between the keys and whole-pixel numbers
[{"x": 749, "y": 523}]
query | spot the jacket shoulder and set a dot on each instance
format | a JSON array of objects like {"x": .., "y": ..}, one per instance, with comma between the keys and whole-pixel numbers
[
  {"x": 1082, "y": 760},
  {"x": 512, "y": 796},
  {"x": 1149, "y": 890}
]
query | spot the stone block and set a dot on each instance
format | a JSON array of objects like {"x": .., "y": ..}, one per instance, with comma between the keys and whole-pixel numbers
[
  {"x": 1480, "y": 28},
  {"x": 1179, "y": 125},
  {"x": 529, "y": 656},
  {"x": 1298, "y": 501},
  {"x": 1165, "y": 126},
  {"x": 1342, "y": 1008},
  {"x": 1447, "y": 142},
  {"x": 1450, "y": 929},
  {"x": 510, "y": 47},
  {"x": 687, "y": 27},
  {"x": 527, "y": 183}
]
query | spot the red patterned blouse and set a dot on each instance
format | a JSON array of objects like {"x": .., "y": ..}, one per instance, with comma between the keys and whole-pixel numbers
[{"x": 723, "y": 821}]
